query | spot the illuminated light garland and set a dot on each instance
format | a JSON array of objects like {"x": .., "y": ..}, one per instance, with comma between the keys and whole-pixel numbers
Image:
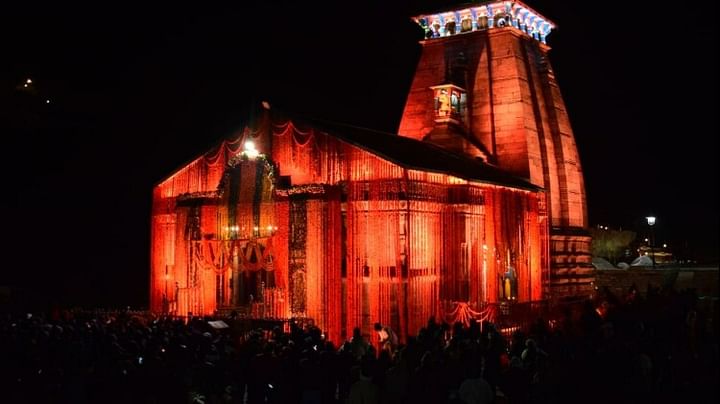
[
  {"x": 213, "y": 160},
  {"x": 197, "y": 195},
  {"x": 309, "y": 189},
  {"x": 462, "y": 312},
  {"x": 221, "y": 261}
]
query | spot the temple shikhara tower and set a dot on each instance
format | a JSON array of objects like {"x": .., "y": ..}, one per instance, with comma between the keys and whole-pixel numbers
[
  {"x": 505, "y": 108},
  {"x": 476, "y": 203}
]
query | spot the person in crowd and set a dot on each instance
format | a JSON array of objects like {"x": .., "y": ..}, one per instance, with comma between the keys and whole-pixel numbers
[{"x": 387, "y": 338}]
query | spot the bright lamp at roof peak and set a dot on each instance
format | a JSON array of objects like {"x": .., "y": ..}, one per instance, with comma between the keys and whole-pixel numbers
[{"x": 250, "y": 150}]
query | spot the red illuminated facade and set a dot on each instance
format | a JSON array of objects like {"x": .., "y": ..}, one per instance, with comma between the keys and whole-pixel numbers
[{"x": 348, "y": 226}]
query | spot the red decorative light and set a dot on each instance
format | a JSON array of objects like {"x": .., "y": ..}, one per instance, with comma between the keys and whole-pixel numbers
[{"x": 355, "y": 240}]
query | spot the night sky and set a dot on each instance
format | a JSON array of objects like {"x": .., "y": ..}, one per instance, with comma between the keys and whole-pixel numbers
[{"x": 135, "y": 91}]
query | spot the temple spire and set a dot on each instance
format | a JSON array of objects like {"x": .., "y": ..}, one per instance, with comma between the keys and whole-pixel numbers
[{"x": 492, "y": 57}]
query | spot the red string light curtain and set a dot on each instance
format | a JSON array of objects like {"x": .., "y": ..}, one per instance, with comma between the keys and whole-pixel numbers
[
  {"x": 323, "y": 264},
  {"x": 307, "y": 155},
  {"x": 490, "y": 249},
  {"x": 534, "y": 224},
  {"x": 424, "y": 263},
  {"x": 162, "y": 281},
  {"x": 416, "y": 244},
  {"x": 182, "y": 261},
  {"x": 374, "y": 276}
]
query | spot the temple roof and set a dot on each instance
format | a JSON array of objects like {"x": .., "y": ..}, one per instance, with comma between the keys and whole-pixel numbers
[{"x": 414, "y": 154}]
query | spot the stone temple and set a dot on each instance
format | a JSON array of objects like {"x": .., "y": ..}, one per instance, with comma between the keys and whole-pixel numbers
[{"x": 476, "y": 202}]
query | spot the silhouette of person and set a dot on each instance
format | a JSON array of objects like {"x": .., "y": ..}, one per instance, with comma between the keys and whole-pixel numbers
[{"x": 388, "y": 338}]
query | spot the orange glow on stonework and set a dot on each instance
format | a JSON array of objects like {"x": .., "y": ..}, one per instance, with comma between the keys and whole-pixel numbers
[{"x": 323, "y": 229}]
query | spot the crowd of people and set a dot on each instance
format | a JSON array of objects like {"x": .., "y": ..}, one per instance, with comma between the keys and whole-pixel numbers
[{"x": 660, "y": 346}]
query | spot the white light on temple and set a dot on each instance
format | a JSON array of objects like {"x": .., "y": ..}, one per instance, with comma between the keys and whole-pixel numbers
[
  {"x": 485, "y": 15},
  {"x": 250, "y": 150}
]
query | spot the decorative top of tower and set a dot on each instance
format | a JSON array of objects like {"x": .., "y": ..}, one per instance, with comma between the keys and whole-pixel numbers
[{"x": 483, "y": 16}]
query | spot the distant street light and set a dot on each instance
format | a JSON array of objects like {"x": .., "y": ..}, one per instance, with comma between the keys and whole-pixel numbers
[{"x": 651, "y": 223}]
